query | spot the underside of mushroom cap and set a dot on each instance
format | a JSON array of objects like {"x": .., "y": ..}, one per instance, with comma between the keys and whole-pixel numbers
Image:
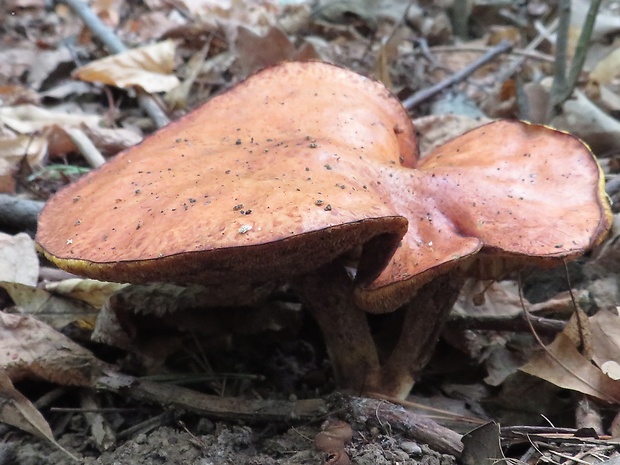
[{"x": 306, "y": 161}]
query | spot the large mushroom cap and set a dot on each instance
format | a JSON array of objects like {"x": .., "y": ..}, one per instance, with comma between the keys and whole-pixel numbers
[
  {"x": 253, "y": 185},
  {"x": 305, "y": 161}
]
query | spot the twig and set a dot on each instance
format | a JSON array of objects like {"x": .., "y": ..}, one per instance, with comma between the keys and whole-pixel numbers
[
  {"x": 399, "y": 419},
  {"x": 415, "y": 99},
  {"x": 511, "y": 431},
  {"x": 146, "y": 426},
  {"x": 412, "y": 425},
  {"x": 530, "y": 52},
  {"x": 221, "y": 408},
  {"x": 523, "y": 52},
  {"x": 86, "y": 147},
  {"x": 146, "y": 101},
  {"x": 507, "y": 323}
]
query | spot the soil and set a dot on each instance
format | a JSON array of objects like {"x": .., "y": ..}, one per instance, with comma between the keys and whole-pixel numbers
[{"x": 226, "y": 444}]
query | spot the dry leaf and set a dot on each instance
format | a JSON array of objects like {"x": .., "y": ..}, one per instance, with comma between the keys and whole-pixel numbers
[
  {"x": 18, "y": 411},
  {"x": 16, "y": 61},
  {"x": 562, "y": 364},
  {"x": 579, "y": 332},
  {"x": 30, "y": 348},
  {"x": 26, "y": 119},
  {"x": 13, "y": 149},
  {"x": 499, "y": 299},
  {"x": 178, "y": 97},
  {"x": 108, "y": 11},
  {"x": 605, "y": 327},
  {"x": 255, "y": 52},
  {"x": 17, "y": 95},
  {"x": 585, "y": 120},
  {"x": 482, "y": 446},
  {"x": 149, "y": 67},
  {"x": 53, "y": 310},
  {"x": 91, "y": 291},
  {"x": 18, "y": 259},
  {"x": 155, "y": 25},
  {"x": 110, "y": 141},
  {"x": 607, "y": 21},
  {"x": 46, "y": 63},
  {"x": 607, "y": 70},
  {"x": 369, "y": 10},
  {"x": 230, "y": 13},
  {"x": 435, "y": 130}
]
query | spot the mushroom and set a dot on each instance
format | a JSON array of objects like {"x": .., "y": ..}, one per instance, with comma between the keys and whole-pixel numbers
[{"x": 291, "y": 172}]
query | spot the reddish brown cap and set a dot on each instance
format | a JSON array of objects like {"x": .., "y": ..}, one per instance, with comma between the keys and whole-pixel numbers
[
  {"x": 264, "y": 181},
  {"x": 305, "y": 161},
  {"x": 507, "y": 195}
]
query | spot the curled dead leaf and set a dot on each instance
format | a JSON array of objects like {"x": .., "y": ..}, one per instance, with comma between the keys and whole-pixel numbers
[{"x": 149, "y": 67}]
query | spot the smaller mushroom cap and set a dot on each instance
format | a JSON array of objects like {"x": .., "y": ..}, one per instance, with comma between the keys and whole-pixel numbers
[{"x": 500, "y": 197}]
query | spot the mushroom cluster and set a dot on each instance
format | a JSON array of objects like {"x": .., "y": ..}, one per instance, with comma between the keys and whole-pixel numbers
[{"x": 307, "y": 168}]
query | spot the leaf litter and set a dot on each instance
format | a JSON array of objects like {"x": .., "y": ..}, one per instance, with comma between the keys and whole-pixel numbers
[{"x": 40, "y": 320}]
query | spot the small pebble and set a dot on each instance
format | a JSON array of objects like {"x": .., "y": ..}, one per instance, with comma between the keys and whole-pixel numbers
[{"x": 410, "y": 447}]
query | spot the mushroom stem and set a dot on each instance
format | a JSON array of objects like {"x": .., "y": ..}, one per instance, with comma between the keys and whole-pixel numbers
[
  {"x": 328, "y": 294},
  {"x": 424, "y": 319}
]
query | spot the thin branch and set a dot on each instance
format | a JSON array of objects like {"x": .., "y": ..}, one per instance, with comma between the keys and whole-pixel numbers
[
  {"x": 146, "y": 101},
  {"x": 523, "y": 52},
  {"x": 530, "y": 52},
  {"x": 582, "y": 47},
  {"x": 86, "y": 147},
  {"x": 425, "y": 94},
  {"x": 561, "y": 49},
  {"x": 512, "y": 323},
  {"x": 563, "y": 85},
  {"x": 413, "y": 425}
]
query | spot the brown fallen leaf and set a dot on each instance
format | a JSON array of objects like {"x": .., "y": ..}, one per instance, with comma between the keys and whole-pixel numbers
[
  {"x": 149, "y": 67},
  {"x": 17, "y": 94},
  {"x": 18, "y": 411},
  {"x": 30, "y": 348},
  {"x": 482, "y": 445},
  {"x": 562, "y": 364},
  {"x": 56, "y": 311},
  {"x": 605, "y": 327},
  {"x": 12, "y": 152},
  {"x": 255, "y": 52}
]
